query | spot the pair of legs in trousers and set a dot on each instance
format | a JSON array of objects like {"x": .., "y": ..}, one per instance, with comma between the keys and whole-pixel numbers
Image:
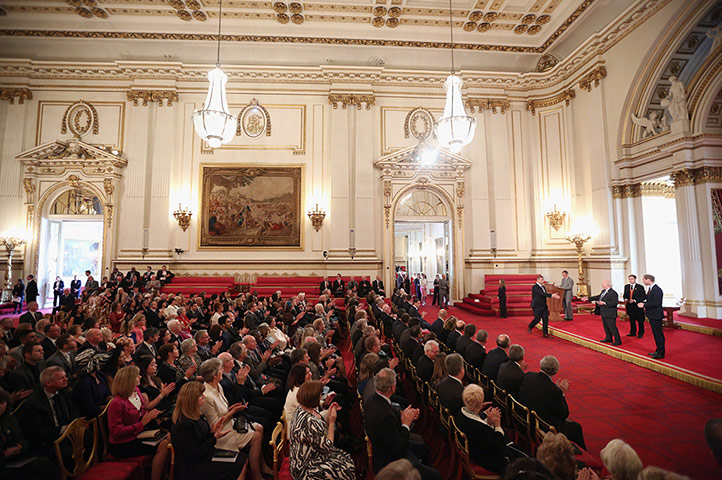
[
  {"x": 568, "y": 312},
  {"x": 611, "y": 331},
  {"x": 636, "y": 321},
  {"x": 658, "y": 333},
  {"x": 541, "y": 315}
]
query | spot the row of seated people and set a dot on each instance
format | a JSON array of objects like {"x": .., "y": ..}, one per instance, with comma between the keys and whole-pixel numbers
[
  {"x": 242, "y": 362},
  {"x": 489, "y": 446}
]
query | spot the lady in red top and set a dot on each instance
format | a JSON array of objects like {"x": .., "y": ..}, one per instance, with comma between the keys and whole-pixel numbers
[
  {"x": 128, "y": 414},
  {"x": 185, "y": 323},
  {"x": 116, "y": 317}
]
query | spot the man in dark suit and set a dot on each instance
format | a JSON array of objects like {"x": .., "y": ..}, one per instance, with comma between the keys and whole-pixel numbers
[
  {"x": 451, "y": 388},
  {"x": 389, "y": 431},
  {"x": 75, "y": 286},
  {"x": 364, "y": 287},
  {"x": 455, "y": 334},
  {"x": 91, "y": 284},
  {"x": 607, "y": 302},
  {"x": 58, "y": 287},
  {"x": 52, "y": 332},
  {"x": 400, "y": 325},
  {"x": 438, "y": 325},
  {"x": 539, "y": 297},
  {"x": 409, "y": 342},
  {"x": 496, "y": 357},
  {"x": 32, "y": 315},
  {"x": 31, "y": 290},
  {"x": 150, "y": 337},
  {"x": 475, "y": 353},
  {"x": 633, "y": 294},
  {"x": 152, "y": 315},
  {"x": 324, "y": 285},
  {"x": 463, "y": 342},
  {"x": 46, "y": 411},
  {"x": 511, "y": 373},
  {"x": 26, "y": 376},
  {"x": 655, "y": 313},
  {"x": 378, "y": 286},
  {"x": 338, "y": 287},
  {"x": 539, "y": 393},
  {"x": 64, "y": 357},
  {"x": 425, "y": 364}
]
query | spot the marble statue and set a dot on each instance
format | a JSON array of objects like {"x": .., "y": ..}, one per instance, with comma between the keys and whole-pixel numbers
[
  {"x": 676, "y": 101},
  {"x": 652, "y": 124}
]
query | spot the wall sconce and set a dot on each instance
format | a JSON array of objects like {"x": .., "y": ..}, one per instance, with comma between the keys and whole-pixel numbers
[
  {"x": 556, "y": 217},
  {"x": 317, "y": 215},
  {"x": 183, "y": 215}
]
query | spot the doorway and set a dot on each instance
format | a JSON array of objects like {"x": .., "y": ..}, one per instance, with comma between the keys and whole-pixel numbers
[
  {"x": 423, "y": 237},
  {"x": 71, "y": 241}
]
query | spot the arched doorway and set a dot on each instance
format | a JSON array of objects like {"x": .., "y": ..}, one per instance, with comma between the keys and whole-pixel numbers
[
  {"x": 71, "y": 238},
  {"x": 422, "y": 236},
  {"x": 426, "y": 190}
]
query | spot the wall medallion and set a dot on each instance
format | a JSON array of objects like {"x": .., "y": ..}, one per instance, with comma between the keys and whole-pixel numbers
[
  {"x": 419, "y": 124},
  {"x": 254, "y": 120},
  {"x": 81, "y": 118}
]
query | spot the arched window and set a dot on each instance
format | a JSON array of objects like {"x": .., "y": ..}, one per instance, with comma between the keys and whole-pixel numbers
[
  {"x": 77, "y": 201},
  {"x": 421, "y": 203}
]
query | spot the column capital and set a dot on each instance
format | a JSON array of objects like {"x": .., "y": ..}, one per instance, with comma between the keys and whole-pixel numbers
[
  {"x": 10, "y": 94},
  {"x": 694, "y": 176},
  {"x": 360, "y": 100}
]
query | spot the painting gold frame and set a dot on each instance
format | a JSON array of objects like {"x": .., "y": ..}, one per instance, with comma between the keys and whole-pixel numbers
[{"x": 295, "y": 240}]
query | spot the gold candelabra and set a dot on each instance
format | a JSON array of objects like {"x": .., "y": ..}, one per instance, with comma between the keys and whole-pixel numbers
[
  {"x": 556, "y": 217},
  {"x": 183, "y": 215},
  {"x": 10, "y": 242},
  {"x": 578, "y": 240},
  {"x": 317, "y": 215}
]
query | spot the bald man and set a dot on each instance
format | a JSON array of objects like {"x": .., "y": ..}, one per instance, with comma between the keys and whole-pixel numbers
[{"x": 607, "y": 303}]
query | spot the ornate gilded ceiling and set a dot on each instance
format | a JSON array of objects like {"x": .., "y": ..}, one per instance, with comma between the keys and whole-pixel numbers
[{"x": 522, "y": 26}]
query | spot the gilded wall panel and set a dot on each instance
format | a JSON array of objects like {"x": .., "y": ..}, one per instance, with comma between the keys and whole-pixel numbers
[{"x": 111, "y": 125}]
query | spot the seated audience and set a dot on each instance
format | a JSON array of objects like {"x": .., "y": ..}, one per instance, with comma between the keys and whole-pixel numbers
[
  {"x": 557, "y": 454},
  {"x": 195, "y": 440},
  {"x": 91, "y": 391},
  {"x": 128, "y": 415},
  {"x": 27, "y": 375},
  {"x": 298, "y": 376},
  {"x": 400, "y": 469},
  {"x": 656, "y": 473},
  {"x": 312, "y": 452},
  {"x": 440, "y": 371},
  {"x": 463, "y": 342},
  {"x": 425, "y": 363},
  {"x": 620, "y": 460},
  {"x": 476, "y": 351},
  {"x": 539, "y": 392}
]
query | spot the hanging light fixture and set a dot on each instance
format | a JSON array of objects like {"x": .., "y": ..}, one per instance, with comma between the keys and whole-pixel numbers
[
  {"x": 455, "y": 128},
  {"x": 214, "y": 123}
]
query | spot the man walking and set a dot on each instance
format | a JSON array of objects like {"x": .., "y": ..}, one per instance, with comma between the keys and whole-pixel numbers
[{"x": 539, "y": 297}]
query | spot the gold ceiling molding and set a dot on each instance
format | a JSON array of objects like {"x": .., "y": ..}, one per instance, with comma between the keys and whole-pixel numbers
[
  {"x": 488, "y": 104},
  {"x": 695, "y": 176},
  {"x": 152, "y": 96},
  {"x": 566, "y": 96},
  {"x": 657, "y": 189},
  {"x": 593, "y": 78},
  {"x": 346, "y": 99},
  {"x": 10, "y": 94}
]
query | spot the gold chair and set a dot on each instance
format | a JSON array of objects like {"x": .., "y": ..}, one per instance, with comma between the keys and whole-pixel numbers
[
  {"x": 541, "y": 428},
  {"x": 462, "y": 448},
  {"x": 171, "y": 470},
  {"x": 501, "y": 399},
  {"x": 278, "y": 442},
  {"x": 521, "y": 418},
  {"x": 82, "y": 460}
]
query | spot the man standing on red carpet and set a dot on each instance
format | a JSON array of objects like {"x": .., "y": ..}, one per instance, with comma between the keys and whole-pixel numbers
[
  {"x": 655, "y": 313},
  {"x": 634, "y": 293},
  {"x": 607, "y": 304},
  {"x": 539, "y": 297}
]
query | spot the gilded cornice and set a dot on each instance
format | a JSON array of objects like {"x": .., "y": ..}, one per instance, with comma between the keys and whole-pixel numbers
[
  {"x": 593, "y": 78},
  {"x": 627, "y": 191},
  {"x": 346, "y": 99},
  {"x": 566, "y": 96},
  {"x": 594, "y": 46},
  {"x": 10, "y": 94},
  {"x": 657, "y": 189},
  {"x": 152, "y": 96},
  {"x": 695, "y": 176},
  {"x": 488, "y": 104}
]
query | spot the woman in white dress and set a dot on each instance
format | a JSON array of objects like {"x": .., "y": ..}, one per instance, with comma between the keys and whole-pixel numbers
[{"x": 216, "y": 406}]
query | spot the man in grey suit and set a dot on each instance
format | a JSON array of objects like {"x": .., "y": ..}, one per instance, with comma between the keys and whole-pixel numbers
[
  {"x": 65, "y": 356},
  {"x": 568, "y": 286},
  {"x": 444, "y": 291}
]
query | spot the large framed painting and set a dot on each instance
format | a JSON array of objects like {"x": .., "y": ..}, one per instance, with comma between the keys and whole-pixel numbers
[{"x": 251, "y": 206}]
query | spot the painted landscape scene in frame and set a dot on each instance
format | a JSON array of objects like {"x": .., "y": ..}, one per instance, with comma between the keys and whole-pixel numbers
[{"x": 250, "y": 206}]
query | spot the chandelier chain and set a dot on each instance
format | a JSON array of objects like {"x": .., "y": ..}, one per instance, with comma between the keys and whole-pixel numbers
[
  {"x": 451, "y": 32},
  {"x": 218, "y": 50}
]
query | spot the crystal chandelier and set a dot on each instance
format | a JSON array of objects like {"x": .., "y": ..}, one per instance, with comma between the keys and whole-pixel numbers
[
  {"x": 455, "y": 128},
  {"x": 214, "y": 123}
]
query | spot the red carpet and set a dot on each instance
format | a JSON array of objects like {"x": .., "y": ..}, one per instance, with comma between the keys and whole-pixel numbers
[
  {"x": 662, "y": 418},
  {"x": 679, "y": 345},
  {"x": 702, "y": 322}
]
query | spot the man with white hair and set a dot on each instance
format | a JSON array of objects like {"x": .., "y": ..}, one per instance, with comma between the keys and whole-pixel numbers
[
  {"x": 541, "y": 394},
  {"x": 425, "y": 363},
  {"x": 175, "y": 328},
  {"x": 607, "y": 303},
  {"x": 390, "y": 432}
]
